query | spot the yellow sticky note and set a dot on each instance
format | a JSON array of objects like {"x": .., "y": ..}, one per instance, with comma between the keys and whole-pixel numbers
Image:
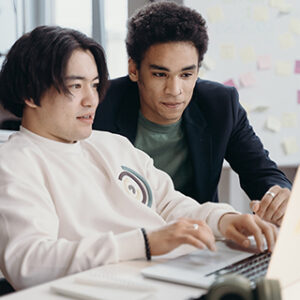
[
  {"x": 273, "y": 124},
  {"x": 248, "y": 54},
  {"x": 261, "y": 13},
  {"x": 283, "y": 68},
  {"x": 277, "y": 3},
  {"x": 294, "y": 26},
  {"x": 215, "y": 14},
  {"x": 290, "y": 145},
  {"x": 286, "y": 40},
  {"x": 227, "y": 51},
  {"x": 289, "y": 120}
]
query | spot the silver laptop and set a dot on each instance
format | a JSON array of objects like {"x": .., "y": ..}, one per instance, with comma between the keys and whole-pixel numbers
[{"x": 201, "y": 267}]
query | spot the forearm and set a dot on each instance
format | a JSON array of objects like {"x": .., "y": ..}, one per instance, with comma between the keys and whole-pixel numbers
[{"x": 31, "y": 260}]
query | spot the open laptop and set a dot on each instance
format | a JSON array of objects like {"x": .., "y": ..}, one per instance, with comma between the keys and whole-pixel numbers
[{"x": 200, "y": 268}]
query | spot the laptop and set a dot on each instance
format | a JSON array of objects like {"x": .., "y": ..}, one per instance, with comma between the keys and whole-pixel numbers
[{"x": 201, "y": 267}]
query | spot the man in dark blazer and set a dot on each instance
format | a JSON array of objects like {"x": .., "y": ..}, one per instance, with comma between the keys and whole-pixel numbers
[{"x": 187, "y": 125}]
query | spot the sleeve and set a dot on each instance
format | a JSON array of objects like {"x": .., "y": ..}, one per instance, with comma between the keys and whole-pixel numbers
[
  {"x": 248, "y": 158},
  {"x": 31, "y": 249},
  {"x": 172, "y": 205}
]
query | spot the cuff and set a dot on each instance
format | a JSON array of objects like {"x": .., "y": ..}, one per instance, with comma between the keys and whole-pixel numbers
[
  {"x": 214, "y": 217},
  {"x": 131, "y": 245}
]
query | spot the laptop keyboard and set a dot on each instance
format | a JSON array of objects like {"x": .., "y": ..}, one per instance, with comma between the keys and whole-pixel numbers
[{"x": 252, "y": 267}]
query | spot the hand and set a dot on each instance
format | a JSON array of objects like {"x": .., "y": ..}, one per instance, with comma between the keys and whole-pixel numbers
[
  {"x": 181, "y": 232},
  {"x": 273, "y": 204},
  {"x": 239, "y": 227}
]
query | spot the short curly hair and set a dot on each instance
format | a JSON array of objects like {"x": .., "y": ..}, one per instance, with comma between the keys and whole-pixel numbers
[
  {"x": 164, "y": 22},
  {"x": 38, "y": 61}
]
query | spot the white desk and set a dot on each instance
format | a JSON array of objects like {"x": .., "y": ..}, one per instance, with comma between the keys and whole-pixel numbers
[{"x": 164, "y": 290}]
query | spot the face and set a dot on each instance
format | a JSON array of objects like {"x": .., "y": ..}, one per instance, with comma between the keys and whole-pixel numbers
[
  {"x": 166, "y": 79},
  {"x": 67, "y": 118}
]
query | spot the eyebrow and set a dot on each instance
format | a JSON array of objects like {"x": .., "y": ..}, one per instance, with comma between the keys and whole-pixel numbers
[
  {"x": 76, "y": 77},
  {"x": 157, "y": 67}
]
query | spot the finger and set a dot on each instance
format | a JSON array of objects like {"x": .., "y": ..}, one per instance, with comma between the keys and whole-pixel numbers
[
  {"x": 273, "y": 206},
  {"x": 279, "y": 213},
  {"x": 266, "y": 200},
  {"x": 204, "y": 234},
  {"x": 269, "y": 233},
  {"x": 250, "y": 224},
  {"x": 254, "y": 205},
  {"x": 191, "y": 240},
  {"x": 233, "y": 234}
]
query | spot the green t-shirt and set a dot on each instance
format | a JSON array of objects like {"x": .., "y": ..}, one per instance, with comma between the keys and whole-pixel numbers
[{"x": 167, "y": 145}]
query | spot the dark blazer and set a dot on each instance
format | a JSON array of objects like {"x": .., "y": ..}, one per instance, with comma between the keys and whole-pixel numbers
[{"x": 216, "y": 126}]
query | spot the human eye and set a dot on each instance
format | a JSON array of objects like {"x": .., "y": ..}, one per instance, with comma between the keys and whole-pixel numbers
[
  {"x": 75, "y": 86},
  {"x": 186, "y": 75},
  {"x": 159, "y": 74},
  {"x": 96, "y": 85}
]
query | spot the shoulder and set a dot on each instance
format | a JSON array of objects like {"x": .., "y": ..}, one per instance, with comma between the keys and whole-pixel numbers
[
  {"x": 18, "y": 152},
  {"x": 207, "y": 90},
  {"x": 120, "y": 85},
  {"x": 108, "y": 139},
  {"x": 214, "y": 98}
]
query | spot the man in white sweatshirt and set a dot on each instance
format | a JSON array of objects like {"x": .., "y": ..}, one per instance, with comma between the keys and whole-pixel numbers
[{"x": 72, "y": 199}]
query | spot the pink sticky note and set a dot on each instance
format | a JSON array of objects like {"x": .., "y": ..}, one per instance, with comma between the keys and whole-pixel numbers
[
  {"x": 298, "y": 98},
  {"x": 264, "y": 62},
  {"x": 247, "y": 79},
  {"x": 230, "y": 82},
  {"x": 297, "y": 66}
]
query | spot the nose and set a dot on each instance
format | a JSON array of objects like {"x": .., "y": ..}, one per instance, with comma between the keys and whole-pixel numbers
[
  {"x": 173, "y": 86},
  {"x": 90, "y": 97}
]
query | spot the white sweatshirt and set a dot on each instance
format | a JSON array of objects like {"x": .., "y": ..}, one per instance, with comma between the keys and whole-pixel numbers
[{"x": 66, "y": 208}]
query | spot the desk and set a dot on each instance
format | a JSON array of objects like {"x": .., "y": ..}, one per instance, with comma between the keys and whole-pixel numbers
[{"x": 164, "y": 290}]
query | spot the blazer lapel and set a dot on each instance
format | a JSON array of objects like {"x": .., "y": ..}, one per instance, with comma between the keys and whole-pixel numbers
[{"x": 200, "y": 147}]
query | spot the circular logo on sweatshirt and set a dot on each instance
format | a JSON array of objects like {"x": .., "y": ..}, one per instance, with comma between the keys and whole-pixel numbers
[{"x": 136, "y": 186}]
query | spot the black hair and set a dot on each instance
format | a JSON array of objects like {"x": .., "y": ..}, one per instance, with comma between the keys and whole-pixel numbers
[
  {"x": 164, "y": 22},
  {"x": 38, "y": 61}
]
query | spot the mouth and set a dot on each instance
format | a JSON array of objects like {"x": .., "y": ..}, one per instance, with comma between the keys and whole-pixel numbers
[
  {"x": 88, "y": 118},
  {"x": 172, "y": 105}
]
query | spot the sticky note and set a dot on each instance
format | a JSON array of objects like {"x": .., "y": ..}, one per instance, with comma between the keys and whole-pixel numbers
[
  {"x": 227, "y": 51},
  {"x": 289, "y": 120},
  {"x": 248, "y": 54},
  {"x": 247, "y": 79},
  {"x": 298, "y": 97},
  {"x": 260, "y": 107},
  {"x": 264, "y": 62},
  {"x": 215, "y": 14},
  {"x": 286, "y": 41},
  {"x": 294, "y": 26},
  {"x": 208, "y": 63},
  {"x": 297, "y": 67},
  {"x": 285, "y": 8},
  {"x": 276, "y": 3},
  {"x": 290, "y": 145},
  {"x": 283, "y": 68},
  {"x": 261, "y": 13},
  {"x": 273, "y": 124},
  {"x": 230, "y": 82}
]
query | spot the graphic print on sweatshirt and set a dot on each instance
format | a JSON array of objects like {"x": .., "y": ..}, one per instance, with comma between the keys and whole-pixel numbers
[{"x": 136, "y": 186}]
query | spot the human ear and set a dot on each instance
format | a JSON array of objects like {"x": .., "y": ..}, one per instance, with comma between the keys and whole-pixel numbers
[
  {"x": 30, "y": 103},
  {"x": 133, "y": 70}
]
